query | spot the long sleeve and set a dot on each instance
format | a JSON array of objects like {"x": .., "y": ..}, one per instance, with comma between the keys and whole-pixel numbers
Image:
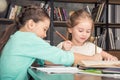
[{"x": 32, "y": 46}]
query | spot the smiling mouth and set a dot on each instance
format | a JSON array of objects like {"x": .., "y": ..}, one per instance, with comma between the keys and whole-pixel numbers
[{"x": 83, "y": 38}]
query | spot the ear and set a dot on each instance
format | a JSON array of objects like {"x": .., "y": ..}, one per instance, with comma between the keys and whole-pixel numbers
[
  {"x": 70, "y": 30},
  {"x": 30, "y": 24}
]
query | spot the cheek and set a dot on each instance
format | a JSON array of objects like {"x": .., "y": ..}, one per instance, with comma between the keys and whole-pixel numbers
[
  {"x": 88, "y": 35},
  {"x": 76, "y": 34},
  {"x": 39, "y": 32}
]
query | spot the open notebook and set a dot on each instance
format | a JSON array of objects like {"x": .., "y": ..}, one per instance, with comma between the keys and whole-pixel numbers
[{"x": 100, "y": 64}]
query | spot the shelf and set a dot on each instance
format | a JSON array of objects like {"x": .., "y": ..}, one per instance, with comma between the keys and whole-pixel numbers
[
  {"x": 110, "y": 25},
  {"x": 6, "y": 21},
  {"x": 114, "y": 1},
  {"x": 99, "y": 24},
  {"x": 60, "y": 23},
  {"x": 77, "y": 1},
  {"x": 88, "y": 1}
]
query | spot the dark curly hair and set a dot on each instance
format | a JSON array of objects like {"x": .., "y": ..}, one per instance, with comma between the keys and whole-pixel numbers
[{"x": 33, "y": 12}]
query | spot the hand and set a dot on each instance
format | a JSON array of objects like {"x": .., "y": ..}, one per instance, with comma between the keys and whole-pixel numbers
[
  {"x": 108, "y": 57},
  {"x": 67, "y": 45},
  {"x": 111, "y": 58},
  {"x": 97, "y": 57}
]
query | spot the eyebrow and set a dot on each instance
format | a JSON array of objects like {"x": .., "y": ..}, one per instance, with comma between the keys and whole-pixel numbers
[{"x": 82, "y": 28}]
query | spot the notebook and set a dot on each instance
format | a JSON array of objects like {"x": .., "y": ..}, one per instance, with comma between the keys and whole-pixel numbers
[{"x": 100, "y": 64}]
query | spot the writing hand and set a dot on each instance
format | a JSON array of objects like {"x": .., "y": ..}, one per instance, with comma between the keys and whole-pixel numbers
[{"x": 67, "y": 45}]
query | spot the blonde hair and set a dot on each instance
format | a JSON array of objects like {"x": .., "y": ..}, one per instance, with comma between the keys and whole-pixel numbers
[{"x": 76, "y": 17}]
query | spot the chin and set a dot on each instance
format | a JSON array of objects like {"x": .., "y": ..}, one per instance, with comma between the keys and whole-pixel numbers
[{"x": 82, "y": 41}]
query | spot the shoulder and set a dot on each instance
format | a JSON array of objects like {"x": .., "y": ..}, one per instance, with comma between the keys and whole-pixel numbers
[
  {"x": 26, "y": 37},
  {"x": 89, "y": 44}
]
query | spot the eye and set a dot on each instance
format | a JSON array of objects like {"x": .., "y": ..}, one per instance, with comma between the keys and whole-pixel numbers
[
  {"x": 80, "y": 30},
  {"x": 89, "y": 31}
]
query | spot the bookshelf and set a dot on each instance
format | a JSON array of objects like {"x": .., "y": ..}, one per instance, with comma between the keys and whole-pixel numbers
[{"x": 55, "y": 24}]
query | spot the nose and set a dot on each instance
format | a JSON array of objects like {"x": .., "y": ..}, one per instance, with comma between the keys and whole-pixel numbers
[{"x": 84, "y": 33}]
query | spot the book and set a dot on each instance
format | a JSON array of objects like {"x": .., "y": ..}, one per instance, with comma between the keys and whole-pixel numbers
[
  {"x": 13, "y": 12},
  {"x": 59, "y": 13},
  {"x": 9, "y": 9},
  {"x": 100, "y": 64},
  {"x": 94, "y": 12},
  {"x": 87, "y": 8},
  {"x": 111, "y": 71},
  {"x": 98, "y": 11},
  {"x": 111, "y": 37}
]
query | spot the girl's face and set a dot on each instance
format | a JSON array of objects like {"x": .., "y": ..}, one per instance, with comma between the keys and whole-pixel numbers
[
  {"x": 41, "y": 28},
  {"x": 81, "y": 32}
]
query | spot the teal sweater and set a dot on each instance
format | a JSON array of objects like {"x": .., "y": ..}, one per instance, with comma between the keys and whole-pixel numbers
[{"x": 22, "y": 49}]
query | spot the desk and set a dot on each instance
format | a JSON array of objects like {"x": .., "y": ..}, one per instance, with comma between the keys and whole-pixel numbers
[{"x": 38, "y": 75}]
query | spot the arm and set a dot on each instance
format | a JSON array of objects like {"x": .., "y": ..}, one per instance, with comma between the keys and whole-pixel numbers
[
  {"x": 79, "y": 57},
  {"x": 107, "y": 56}
]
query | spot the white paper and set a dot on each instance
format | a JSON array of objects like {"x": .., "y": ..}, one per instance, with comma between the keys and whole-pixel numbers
[{"x": 58, "y": 69}]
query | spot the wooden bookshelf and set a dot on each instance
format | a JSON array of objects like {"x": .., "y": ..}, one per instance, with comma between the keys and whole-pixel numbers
[
  {"x": 6, "y": 21},
  {"x": 88, "y": 1},
  {"x": 60, "y": 24},
  {"x": 77, "y": 1},
  {"x": 110, "y": 25},
  {"x": 98, "y": 24}
]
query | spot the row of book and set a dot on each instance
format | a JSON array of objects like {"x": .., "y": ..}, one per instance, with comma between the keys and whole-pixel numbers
[
  {"x": 14, "y": 10},
  {"x": 101, "y": 39},
  {"x": 98, "y": 11},
  {"x": 59, "y": 12}
]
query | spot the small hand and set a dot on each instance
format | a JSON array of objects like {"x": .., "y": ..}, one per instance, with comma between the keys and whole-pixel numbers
[
  {"x": 67, "y": 45},
  {"x": 97, "y": 57},
  {"x": 111, "y": 58}
]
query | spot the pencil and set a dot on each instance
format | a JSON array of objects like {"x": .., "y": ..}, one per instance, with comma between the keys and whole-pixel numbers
[{"x": 59, "y": 34}]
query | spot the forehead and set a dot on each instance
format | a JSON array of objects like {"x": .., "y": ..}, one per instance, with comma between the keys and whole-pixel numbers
[{"x": 84, "y": 23}]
